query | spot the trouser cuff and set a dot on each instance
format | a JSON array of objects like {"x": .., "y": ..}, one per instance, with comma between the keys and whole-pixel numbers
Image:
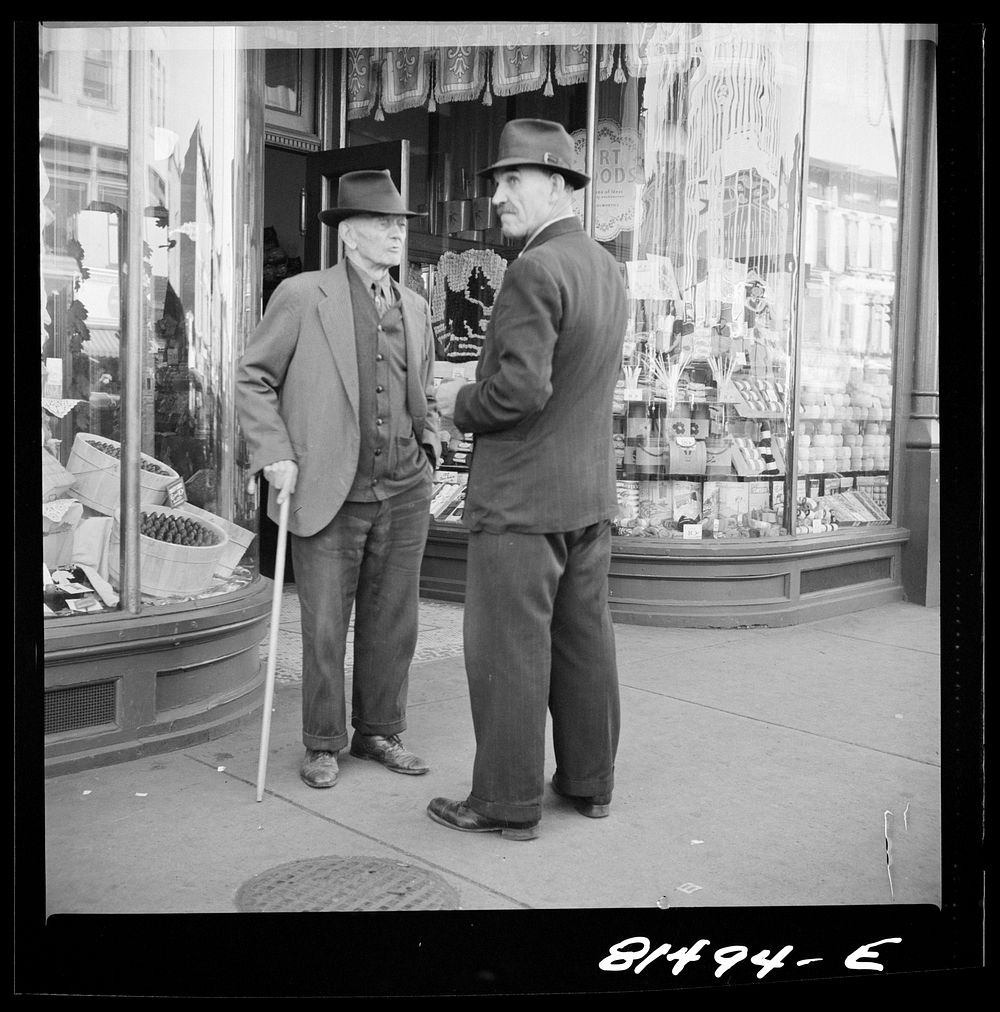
[
  {"x": 393, "y": 727},
  {"x": 503, "y": 811},
  {"x": 330, "y": 743},
  {"x": 592, "y": 787}
]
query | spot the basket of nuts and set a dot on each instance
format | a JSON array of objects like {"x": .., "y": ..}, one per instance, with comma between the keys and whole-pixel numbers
[
  {"x": 95, "y": 463},
  {"x": 178, "y": 553}
]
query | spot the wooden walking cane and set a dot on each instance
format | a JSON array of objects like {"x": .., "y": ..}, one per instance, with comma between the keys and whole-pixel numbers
[{"x": 272, "y": 646}]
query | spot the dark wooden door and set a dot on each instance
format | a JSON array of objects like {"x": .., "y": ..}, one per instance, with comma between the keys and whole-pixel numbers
[{"x": 323, "y": 172}]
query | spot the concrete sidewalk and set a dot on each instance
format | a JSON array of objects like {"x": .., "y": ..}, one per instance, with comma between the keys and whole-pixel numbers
[{"x": 757, "y": 767}]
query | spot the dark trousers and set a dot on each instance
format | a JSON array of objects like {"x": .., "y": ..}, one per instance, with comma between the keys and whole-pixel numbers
[
  {"x": 539, "y": 638},
  {"x": 367, "y": 557}
]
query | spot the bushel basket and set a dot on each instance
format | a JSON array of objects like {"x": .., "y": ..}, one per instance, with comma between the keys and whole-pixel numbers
[
  {"x": 95, "y": 465},
  {"x": 168, "y": 569}
]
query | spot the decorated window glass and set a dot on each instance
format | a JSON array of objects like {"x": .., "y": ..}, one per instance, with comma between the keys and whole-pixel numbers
[
  {"x": 700, "y": 176},
  {"x": 701, "y": 150}
]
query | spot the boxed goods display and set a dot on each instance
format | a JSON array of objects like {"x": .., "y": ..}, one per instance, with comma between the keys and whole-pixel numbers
[
  {"x": 759, "y": 398},
  {"x": 655, "y": 510},
  {"x": 687, "y": 506},
  {"x": 95, "y": 464},
  {"x": 452, "y": 512},
  {"x": 628, "y": 499},
  {"x": 876, "y": 487},
  {"x": 815, "y": 516},
  {"x": 443, "y": 493},
  {"x": 737, "y": 509},
  {"x": 627, "y": 516}
]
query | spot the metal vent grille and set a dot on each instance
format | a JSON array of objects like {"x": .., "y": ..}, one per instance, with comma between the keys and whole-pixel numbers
[
  {"x": 79, "y": 706},
  {"x": 847, "y": 575}
]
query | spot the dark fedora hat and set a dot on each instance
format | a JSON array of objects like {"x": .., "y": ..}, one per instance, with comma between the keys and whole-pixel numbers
[
  {"x": 538, "y": 142},
  {"x": 368, "y": 191}
]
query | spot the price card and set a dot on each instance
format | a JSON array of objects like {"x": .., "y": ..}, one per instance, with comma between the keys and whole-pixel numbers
[
  {"x": 691, "y": 532},
  {"x": 176, "y": 493}
]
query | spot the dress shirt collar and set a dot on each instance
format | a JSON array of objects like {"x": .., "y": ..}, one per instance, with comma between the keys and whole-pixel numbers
[{"x": 385, "y": 285}]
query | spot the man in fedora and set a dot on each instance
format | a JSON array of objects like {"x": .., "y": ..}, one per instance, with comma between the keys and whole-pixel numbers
[
  {"x": 540, "y": 497},
  {"x": 335, "y": 395}
]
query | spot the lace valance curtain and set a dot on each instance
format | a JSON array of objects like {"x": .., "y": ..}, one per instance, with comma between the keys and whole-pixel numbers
[{"x": 389, "y": 79}]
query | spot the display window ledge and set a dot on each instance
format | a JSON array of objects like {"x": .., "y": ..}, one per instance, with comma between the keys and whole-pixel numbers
[
  {"x": 722, "y": 584},
  {"x": 719, "y": 547},
  {"x": 157, "y": 625},
  {"x": 772, "y": 548}
]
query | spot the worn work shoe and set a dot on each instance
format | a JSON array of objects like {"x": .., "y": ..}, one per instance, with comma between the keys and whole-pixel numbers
[
  {"x": 319, "y": 768},
  {"x": 457, "y": 815},
  {"x": 597, "y": 806},
  {"x": 387, "y": 751}
]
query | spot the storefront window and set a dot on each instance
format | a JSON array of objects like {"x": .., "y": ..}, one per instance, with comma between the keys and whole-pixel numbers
[
  {"x": 697, "y": 160},
  {"x": 698, "y": 157},
  {"x": 184, "y": 170},
  {"x": 845, "y": 420},
  {"x": 697, "y": 168}
]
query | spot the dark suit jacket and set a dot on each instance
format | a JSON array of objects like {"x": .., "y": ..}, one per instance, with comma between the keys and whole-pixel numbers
[
  {"x": 297, "y": 390},
  {"x": 541, "y": 405}
]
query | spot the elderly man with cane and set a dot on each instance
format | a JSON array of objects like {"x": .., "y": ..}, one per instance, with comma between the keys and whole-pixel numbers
[{"x": 335, "y": 395}]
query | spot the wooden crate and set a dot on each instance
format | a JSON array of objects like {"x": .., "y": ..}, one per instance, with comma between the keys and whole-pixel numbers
[
  {"x": 168, "y": 570},
  {"x": 97, "y": 476}
]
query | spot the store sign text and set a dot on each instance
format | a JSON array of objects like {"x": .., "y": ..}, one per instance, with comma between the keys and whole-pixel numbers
[{"x": 617, "y": 178}]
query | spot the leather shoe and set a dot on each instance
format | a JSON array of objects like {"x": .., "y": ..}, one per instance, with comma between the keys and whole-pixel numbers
[
  {"x": 596, "y": 806},
  {"x": 387, "y": 751},
  {"x": 319, "y": 768},
  {"x": 457, "y": 815}
]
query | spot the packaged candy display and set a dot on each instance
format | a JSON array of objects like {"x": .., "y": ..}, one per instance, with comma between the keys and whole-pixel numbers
[{"x": 713, "y": 414}]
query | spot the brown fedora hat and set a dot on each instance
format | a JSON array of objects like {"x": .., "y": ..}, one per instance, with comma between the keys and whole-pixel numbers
[
  {"x": 368, "y": 191},
  {"x": 538, "y": 142}
]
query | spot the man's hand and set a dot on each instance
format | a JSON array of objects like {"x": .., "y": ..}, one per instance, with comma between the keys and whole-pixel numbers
[
  {"x": 282, "y": 474},
  {"x": 445, "y": 396}
]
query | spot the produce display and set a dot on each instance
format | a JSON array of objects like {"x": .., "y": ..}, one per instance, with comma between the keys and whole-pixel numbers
[
  {"x": 114, "y": 450},
  {"x": 176, "y": 530}
]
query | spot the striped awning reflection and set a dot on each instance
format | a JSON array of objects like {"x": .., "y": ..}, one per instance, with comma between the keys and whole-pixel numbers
[{"x": 104, "y": 342}]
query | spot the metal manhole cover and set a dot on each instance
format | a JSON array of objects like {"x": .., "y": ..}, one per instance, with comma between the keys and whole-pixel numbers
[{"x": 345, "y": 883}]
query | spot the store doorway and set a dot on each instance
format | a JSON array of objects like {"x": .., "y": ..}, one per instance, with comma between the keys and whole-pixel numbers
[{"x": 297, "y": 187}]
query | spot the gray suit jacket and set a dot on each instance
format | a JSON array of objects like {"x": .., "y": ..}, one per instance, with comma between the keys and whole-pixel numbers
[
  {"x": 297, "y": 390},
  {"x": 541, "y": 405}
]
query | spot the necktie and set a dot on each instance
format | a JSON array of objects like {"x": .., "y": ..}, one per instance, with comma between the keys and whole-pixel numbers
[{"x": 377, "y": 297}]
